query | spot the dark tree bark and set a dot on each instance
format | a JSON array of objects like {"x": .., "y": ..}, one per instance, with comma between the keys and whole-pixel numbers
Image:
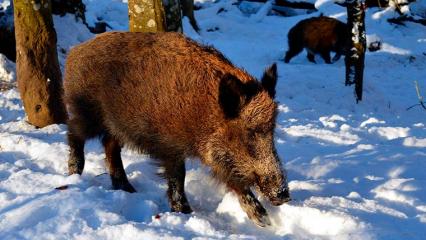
[
  {"x": 188, "y": 11},
  {"x": 377, "y": 3},
  {"x": 7, "y": 33},
  {"x": 37, "y": 66},
  {"x": 75, "y": 7},
  {"x": 146, "y": 16},
  {"x": 354, "y": 59},
  {"x": 295, "y": 4},
  {"x": 172, "y": 9}
]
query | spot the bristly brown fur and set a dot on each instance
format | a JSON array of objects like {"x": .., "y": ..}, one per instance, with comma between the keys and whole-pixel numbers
[
  {"x": 172, "y": 98},
  {"x": 319, "y": 35}
]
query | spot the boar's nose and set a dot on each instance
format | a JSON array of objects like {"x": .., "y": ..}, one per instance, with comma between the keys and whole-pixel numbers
[{"x": 283, "y": 196}]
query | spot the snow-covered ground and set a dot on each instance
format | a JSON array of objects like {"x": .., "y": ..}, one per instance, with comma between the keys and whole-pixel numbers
[{"x": 356, "y": 171}]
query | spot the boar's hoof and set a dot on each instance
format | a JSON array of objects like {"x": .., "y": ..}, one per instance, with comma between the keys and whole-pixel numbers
[
  {"x": 74, "y": 170},
  {"x": 254, "y": 209},
  {"x": 260, "y": 217},
  {"x": 75, "y": 166},
  {"x": 182, "y": 208},
  {"x": 125, "y": 186}
]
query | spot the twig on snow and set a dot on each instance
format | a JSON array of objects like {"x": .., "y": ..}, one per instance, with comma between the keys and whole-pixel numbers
[{"x": 420, "y": 97}]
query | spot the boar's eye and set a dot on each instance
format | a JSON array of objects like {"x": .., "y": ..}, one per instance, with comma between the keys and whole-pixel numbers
[
  {"x": 267, "y": 179},
  {"x": 251, "y": 149},
  {"x": 251, "y": 134},
  {"x": 259, "y": 131}
]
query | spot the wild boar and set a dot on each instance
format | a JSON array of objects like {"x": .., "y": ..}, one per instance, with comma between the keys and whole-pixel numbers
[
  {"x": 318, "y": 35},
  {"x": 169, "y": 97}
]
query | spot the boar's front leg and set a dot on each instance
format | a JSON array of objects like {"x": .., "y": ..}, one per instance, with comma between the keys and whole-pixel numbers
[
  {"x": 115, "y": 164},
  {"x": 254, "y": 209},
  {"x": 175, "y": 175}
]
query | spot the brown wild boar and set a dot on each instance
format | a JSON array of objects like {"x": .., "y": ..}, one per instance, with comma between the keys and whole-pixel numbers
[
  {"x": 318, "y": 35},
  {"x": 166, "y": 95}
]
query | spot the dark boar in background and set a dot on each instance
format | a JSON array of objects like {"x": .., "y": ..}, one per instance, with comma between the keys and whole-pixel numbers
[
  {"x": 319, "y": 35},
  {"x": 167, "y": 96}
]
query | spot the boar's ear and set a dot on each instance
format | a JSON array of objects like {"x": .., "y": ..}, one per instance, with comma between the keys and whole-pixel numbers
[
  {"x": 269, "y": 79},
  {"x": 230, "y": 95}
]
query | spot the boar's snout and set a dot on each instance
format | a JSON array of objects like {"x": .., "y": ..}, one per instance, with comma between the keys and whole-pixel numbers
[
  {"x": 281, "y": 197},
  {"x": 274, "y": 188}
]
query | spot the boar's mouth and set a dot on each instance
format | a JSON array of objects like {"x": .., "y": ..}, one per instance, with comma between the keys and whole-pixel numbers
[{"x": 276, "y": 196}]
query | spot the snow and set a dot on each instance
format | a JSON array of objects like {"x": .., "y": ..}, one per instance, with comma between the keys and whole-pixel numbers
[
  {"x": 320, "y": 224},
  {"x": 356, "y": 171},
  {"x": 340, "y": 137},
  {"x": 418, "y": 8},
  {"x": 7, "y": 69},
  {"x": 414, "y": 142},
  {"x": 390, "y": 132}
]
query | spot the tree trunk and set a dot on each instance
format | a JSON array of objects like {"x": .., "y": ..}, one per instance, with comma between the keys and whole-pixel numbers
[
  {"x": 188, "y": 11},
  {"x": 146, "y": 16},
  {"x": 37, "y": 66},
  {"x": 172, "y": 8},
  {"x": 354, "y": 59}
]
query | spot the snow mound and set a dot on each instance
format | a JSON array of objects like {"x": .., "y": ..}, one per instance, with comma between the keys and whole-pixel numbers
[{"x": 304, "y": 222}]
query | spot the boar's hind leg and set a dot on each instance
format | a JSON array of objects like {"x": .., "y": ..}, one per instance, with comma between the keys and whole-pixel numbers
[
  {"x": 326, "y": 56},
  {"x": 294, "y": 48},
  {"x": 254, "y": 209},
  {"x": 115, "y": 164},
  {"x": 336, "y": 57},
  {"x": 311, "y": 56},
  {"x": 76, "y": 157},
  {"x": 84, "y": 123},
  {"x": 175, "y": 175}
]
